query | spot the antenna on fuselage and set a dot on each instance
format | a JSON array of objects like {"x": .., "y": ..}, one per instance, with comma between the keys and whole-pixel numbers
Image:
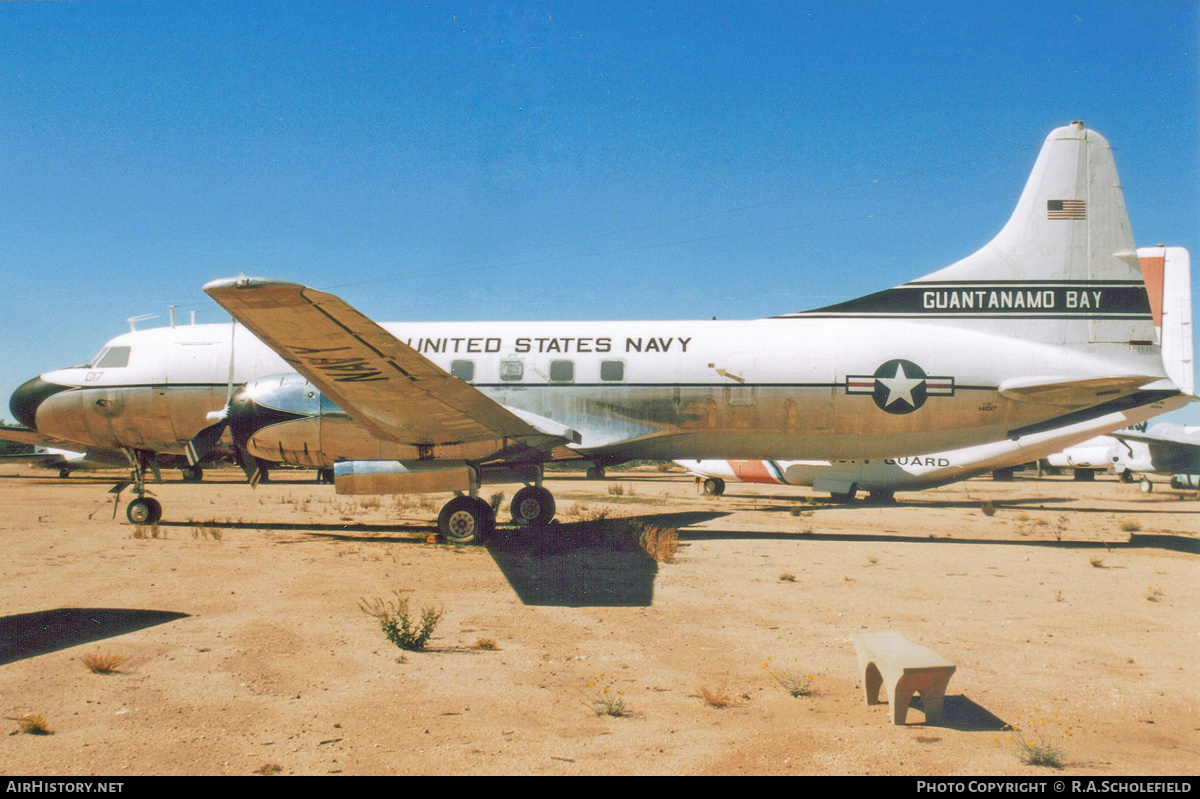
[{"x": 133, "y": 320}]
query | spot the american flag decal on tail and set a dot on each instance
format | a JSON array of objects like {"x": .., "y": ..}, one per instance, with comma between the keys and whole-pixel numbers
[{"x": 1066, "y": 209}]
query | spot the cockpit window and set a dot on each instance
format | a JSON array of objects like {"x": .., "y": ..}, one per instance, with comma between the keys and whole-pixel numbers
[{"x": 113, "y": 358}]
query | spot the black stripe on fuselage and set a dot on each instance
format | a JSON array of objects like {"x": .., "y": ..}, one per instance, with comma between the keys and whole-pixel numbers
[{"x": 1134, "y": 400}]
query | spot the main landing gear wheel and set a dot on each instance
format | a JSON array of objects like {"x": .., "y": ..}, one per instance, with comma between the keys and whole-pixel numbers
[
  {"x": 466, "y": 520},
  {"x": 1146, "y": 486},
  {"x": 883, "y": 496},
  {"x": 192, "y": 474},
  {"x": 64, "y": 473},
  {"x": 714, "y": 486},
  {"x": 1126, "y": 476},
  {"x": 533, "y": 505},
  {"x": 595, "y": 473},
  {"x": 144, "y": 510}
]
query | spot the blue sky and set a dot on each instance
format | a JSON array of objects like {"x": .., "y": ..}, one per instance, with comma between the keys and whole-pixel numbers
[{"x": 526, "y": 160}]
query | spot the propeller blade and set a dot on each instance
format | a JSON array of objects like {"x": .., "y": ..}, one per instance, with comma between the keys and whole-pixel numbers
[
  {"x": 250, "y": 465},
  {"x": 203, "y": 442}
]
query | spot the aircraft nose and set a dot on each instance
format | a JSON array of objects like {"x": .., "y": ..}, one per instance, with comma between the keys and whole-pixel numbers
[{"x": 28, "y": 396}]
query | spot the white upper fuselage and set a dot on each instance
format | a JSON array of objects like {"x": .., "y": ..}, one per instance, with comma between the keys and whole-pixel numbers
[{"x": 771, "y": 388}]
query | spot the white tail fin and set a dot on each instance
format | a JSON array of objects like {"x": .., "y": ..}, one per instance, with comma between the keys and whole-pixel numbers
[{"x": 1064, "y": 270}]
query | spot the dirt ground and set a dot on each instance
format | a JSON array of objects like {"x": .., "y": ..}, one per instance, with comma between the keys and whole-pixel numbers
[{"x": 1071, "y": 612}]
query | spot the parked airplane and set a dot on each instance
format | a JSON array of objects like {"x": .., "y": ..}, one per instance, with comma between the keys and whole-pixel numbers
[
  {"x": 883, "y": 477},
  {"x": 1085, "y": 458},
  {"x": 69, "y": 456},
  {"x": 1167, "y": 449},
  {"x": 1051, "y": 318}
]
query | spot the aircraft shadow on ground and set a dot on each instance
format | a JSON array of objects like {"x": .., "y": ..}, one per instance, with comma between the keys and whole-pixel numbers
[
  {"x": 585, "y": 564},
  {"x": 1165, "y": 541},
  {"x": 27, "y": 635}
]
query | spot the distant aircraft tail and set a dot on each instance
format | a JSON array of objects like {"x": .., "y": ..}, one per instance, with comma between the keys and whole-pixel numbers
[{"x": 1064, "y": 270}]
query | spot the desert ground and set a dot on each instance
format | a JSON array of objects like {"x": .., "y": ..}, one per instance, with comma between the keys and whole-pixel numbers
[{"x": 1070, "y": 612}]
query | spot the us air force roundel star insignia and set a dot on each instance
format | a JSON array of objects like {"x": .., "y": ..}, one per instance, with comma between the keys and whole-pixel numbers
[{"x": 899, "y": 386}]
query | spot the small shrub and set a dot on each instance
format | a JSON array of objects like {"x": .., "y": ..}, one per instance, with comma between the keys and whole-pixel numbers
[
  {"x": 401, "y": 629},
  {"x": 32, "y": 724},
  {"x": 605, "y": 701},
  {"x": 269, "y": 769},
  {"x": 1155, "y": 594},
  {"x": 660, "y": 543},
  {"x": 1036, "y": 746},
  {"x": 102, "y": 662},
  {"x": 486, "y": 644},
  {"x": 1130, "y": 527},
  {"x": 715, "y": 697},
  {"x": 795, "y": 683},
  {"x": 1097, "y": 563},
  {"x": 144, "y": 531},
  {"x": 616, "y": 489},
  {"x": 787, "y": 577},
  {"x": 988, "y": 508}
]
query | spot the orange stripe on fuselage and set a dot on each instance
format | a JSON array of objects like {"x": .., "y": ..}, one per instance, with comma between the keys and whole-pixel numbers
[{"x": 752, "y": 472}]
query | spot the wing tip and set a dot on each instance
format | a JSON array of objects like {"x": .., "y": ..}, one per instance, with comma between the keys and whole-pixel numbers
[{"x": 242, "y": 282}]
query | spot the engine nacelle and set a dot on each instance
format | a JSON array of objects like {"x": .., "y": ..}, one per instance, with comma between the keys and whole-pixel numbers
[{"x": 1185, "y": 482}]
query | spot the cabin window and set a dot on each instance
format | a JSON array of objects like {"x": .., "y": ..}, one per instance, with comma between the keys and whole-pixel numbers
[
  {"x": 562, "y": 371},
  {"x": 612, "y": 370},
  {"x": 115, "y": 358},
  {"x": 463, "y": 370},
  {"x": 511, "y": 370}
]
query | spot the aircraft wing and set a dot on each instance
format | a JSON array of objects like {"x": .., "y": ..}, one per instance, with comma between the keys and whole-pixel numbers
[
  {"x": 1177, "y": 444},
  {"x": 381, "y": 382},
  {"x": 23, "y": 435},
  {"x": 42, "y": 458},
  {"x": 1071, "y": 391}
]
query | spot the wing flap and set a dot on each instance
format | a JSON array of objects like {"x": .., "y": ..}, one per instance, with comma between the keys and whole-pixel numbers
[{"x": 382, "y": 383}]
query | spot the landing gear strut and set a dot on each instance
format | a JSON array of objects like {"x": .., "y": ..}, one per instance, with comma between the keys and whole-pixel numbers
[{"x": 144, "y": 509}]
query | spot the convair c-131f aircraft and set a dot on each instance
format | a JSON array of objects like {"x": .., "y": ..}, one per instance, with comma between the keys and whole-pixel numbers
[{"x": 1050, "y": 318}]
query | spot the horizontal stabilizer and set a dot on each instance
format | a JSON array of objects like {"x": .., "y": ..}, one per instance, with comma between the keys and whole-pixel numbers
[
  {"x": 1065, "y": 391},
  {"x": 1151, "y": 438}
]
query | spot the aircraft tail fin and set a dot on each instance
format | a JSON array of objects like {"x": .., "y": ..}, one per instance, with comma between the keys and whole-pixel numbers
[{"x": 1063, "y": 270}]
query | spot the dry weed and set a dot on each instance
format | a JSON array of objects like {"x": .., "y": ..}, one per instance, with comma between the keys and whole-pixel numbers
[
  {"x": 716, "y": 697},
  {"x": 103, "y": 662},
  {"x": 31, "y": 724}
]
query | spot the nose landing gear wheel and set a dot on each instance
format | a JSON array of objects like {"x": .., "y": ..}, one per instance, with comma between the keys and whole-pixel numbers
[
  {"x": 533, "y": 505},
  {"x": 714, "y": 486},
  {"x": 466, "y": 520},
  {"x": 144, "y": 510}
]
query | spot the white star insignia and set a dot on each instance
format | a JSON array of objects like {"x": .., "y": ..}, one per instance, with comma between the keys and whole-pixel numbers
[{"x": 900, "y": 386}]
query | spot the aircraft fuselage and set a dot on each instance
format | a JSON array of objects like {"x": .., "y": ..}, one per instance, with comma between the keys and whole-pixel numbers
[{"x": 790, "y": 388}]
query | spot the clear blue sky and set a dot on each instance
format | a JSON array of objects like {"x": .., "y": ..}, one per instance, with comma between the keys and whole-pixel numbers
[{"x": 551, "y": 160}]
